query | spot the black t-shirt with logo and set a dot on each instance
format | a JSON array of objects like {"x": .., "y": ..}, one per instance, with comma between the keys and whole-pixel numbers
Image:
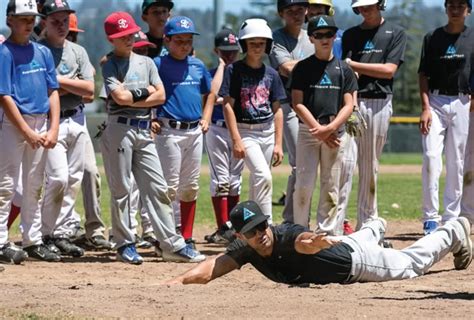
[
  {"x": 324, "y": 87},
  {"x": 446, "y": 59},
  {"x": 384, "y": 44},
  {"x": 286, "y": 265},
  {"x": 155, "y": 52},
  {"x": 254, "y": 91}
]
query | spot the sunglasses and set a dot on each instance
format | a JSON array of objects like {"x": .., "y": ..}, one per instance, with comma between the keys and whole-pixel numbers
[
  {"x": 252, "y": 232},
  {"x": 323, "y": 35}
]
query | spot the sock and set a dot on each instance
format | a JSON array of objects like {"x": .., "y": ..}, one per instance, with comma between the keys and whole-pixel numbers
[
  {"x": 188, "y": 211},
  {"x": 220, "y": 210},
  {"x": 232, "y": 202},
  {"x": 14, "y": 212}
]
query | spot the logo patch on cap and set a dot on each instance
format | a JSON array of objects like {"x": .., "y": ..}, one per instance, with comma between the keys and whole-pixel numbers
[
  {"x": 185, "y": 24},
  {"x": 232, "y": 39},
  {"x": 59, "y": 3},
  {"x": 322, "y": 22},
  {"x": 123, "y": 24},
  {"x": 248, "y": 214}
]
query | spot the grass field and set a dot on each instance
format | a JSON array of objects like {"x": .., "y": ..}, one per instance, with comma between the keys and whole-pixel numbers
[{"x": 402, "y": 189}]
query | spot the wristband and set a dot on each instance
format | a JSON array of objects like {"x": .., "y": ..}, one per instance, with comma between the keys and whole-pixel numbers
[
  {"x": 348, "y": 61},
  {"x": 140, "y": 94}
]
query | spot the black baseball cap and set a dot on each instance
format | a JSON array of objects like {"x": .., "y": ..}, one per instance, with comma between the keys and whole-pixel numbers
[
  {"x": 160, "y": 3},
  {"x": 282, "y": 4},
  {"x": 246, "y": 215},
  {"x": 226, "y": 40},
  {"x": 53, "y": 6},
  {"x": 321, "y": 22},
  {"x": 22, "y": 8}
]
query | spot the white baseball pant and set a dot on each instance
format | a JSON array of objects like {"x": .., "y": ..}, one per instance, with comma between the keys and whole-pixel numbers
[
  {"x": 128, "y": 150},
  {"x": 449, "y": 131},
  {"x": 138, "y": 208},
  {"x": 312, "y": 153},
  {"x": 64, "y": 171},
  {"x": 259, "y": 142},
  {"x": 290, "y": 136},
  {"x": 226, "y": 170},
  {"x": 467, "y": 202},
  {"x": 377, "y": 113},
  {"x": 17, "y": 152},
  {"x": 347, "y": 171}
]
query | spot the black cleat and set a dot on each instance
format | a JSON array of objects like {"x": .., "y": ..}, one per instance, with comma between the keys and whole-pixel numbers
[
  {"x": 41, "y": 252},
  {"x": 68, "y": 248}
]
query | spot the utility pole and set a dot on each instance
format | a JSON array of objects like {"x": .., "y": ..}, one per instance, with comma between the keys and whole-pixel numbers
[{"x": 218, "y": 15}]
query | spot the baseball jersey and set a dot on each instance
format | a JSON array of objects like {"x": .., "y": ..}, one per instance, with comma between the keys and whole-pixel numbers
[
  {"x": 384, "y": 44},
  {"x": 323, "y": 88},
  {"x": 185, "y": 82},
  {"x": 446, "y": 59},
  {"x": 160, "y": 50},
  {"x": 134, "y": 72},
  {"x": 27, "y": 73},
  {"x": 217, "y": 112},
  {"x": 254, "y": 91},
  {"x": 72, "y": 62},
  {"x": 286, "y": 265}
]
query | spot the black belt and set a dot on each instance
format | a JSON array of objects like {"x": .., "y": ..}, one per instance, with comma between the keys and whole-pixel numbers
[
  {"x": 220, "y": 123},
  {"x": 71, "y": 112},
  {"x": 137, "y": 123},
  {"x": 447, "y": 92},
  {"x": 175, "y": 124},
  {"x": 372, "y": 95}
]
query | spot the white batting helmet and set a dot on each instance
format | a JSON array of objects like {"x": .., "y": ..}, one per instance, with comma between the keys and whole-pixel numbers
[
  {"x": 255, "y": 28},
  {"x": 359, "y": 3}
]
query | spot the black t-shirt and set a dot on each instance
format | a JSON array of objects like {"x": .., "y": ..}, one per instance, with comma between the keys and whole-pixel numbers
[
  {"x": 285, "y": 265},
  {"x": 154, "y": 52},
  {"x": 384, "y": 44},
  {"x": 324, "y": 87},
  {"x": 446, "y": 59},
  {"x": 254, "y": 91}
]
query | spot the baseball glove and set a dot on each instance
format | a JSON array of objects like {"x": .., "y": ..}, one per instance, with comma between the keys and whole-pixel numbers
[{"x": 356, "y": 124}]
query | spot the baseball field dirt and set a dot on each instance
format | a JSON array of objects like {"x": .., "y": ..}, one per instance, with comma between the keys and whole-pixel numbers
[{"x": 97, "y": 286}]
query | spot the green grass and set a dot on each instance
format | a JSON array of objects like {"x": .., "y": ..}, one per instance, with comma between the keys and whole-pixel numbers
[
  {"x": 401, "y": 158},
  {"x": 402, "y": 189}
]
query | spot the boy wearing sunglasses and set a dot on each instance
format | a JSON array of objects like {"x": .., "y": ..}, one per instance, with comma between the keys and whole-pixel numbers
[
  {"x": 291, "y": 254},
  {"x": 323, "y": 100}
]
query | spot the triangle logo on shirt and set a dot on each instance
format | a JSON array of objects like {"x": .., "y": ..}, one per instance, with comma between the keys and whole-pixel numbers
[
  {"x": 369, "y": 45},
  {"x": 248, "y": 214},
  {"x": 188, "y": 78},
  {"x": 322, "y": 22},
  {"x": 451, "y": 50},
  {"x": 325, "y": 81}
]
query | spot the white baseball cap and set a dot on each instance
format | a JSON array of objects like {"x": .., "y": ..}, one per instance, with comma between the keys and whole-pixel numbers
[
  {"x": 360, "y": 3},
  {"x": 22, "y": 8}
]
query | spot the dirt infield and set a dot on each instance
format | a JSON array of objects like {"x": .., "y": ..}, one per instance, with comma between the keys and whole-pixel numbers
[{"x": 98, "y": 287}]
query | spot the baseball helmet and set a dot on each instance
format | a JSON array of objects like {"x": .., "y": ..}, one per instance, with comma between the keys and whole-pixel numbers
[
  {"x": 255, "y": 28},
  {"x": 469, "y": 4},
  {"x": 382, "y": 4},
  {"x": 328, "y": 3}
]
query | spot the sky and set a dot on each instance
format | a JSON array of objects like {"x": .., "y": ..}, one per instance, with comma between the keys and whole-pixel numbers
[{"x": 234, "y": 6}]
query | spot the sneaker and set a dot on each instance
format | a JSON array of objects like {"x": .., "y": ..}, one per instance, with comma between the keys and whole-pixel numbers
[
  {"x": 98, "y": 243},
  {"x": 347, "y": 229},
  {"x": 429, "y": 227},
  {"x": 216, "y": 238},
  {"x": 463, "y": 257},
  {"x": 48, "y": 241},
  {"x": 12, "y": 254},
  {"x": 41, "y": 252},
  {"x": 128, "y": 254},
  {"x": 68, "y": 248},
  {"x": 191, "y": 243},
  {"x": 140, "y": 243},
  {"x": 186, "y": 254}
]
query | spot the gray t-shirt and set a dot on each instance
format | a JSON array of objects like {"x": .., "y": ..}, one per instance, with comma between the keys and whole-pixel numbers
[
  {"x": 134, "y": 72},
  {"x": 71, "y": 62},
  {"x": 287, "y": 48}
]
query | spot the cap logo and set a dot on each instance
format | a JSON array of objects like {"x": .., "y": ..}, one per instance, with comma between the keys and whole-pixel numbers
[
  {"x": 30, "y": 4},
  {"x": 185, "y": 24},
  {"x": 248, "y": 214},
  {"x": 232, "y": 39},
  {"x": 322, "y": 22},
  {"x": 122, "y": 24},
  {"x": 59, "y": 3}
]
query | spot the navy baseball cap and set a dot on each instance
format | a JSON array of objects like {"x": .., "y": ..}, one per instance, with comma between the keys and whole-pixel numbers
[
  {"x": 321, "y": 22},
  {"x": 53, "y": 6},
  {"x": 468, "y": 2},
  {"x": 159, "y": 3},
  {"x": 226, "y": 40},
  {"x": 22, "y": 8},
  {"x": 246, "y": 215},
  {"x": 179, "y": 25},
  {"x": 282, "y": 4}
]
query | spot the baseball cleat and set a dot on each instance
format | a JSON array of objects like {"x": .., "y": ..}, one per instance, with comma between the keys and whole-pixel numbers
[
  {"x": 429, "y": 227},
  {"x": 49, "y": 243},
  {"x": 463, "y": 257},
  {"x": 128, "y": 254},
  {"x": 186, "y": 254},
  {"x": 41, "y": 252},
  {"x": 68, "y": 248},
  {"x": 12, "y": 254}
]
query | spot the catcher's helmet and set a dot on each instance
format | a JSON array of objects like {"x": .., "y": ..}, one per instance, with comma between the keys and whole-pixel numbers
[
  {"x": 255, "y": 28},
  {"x": 382, "y": 4},
  {"x": 328, "y": 3}
]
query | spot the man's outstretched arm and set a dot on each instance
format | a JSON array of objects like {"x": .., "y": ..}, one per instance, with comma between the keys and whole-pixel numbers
[{"x": 210, "y": 269}]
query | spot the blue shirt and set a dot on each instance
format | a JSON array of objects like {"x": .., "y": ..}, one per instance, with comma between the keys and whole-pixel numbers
[
  {"x": 27, "y": 72},
  {"x": 337, "y": 46},
  {"x": 218, "y": 112},
  {"x": 184, "y": 81}
]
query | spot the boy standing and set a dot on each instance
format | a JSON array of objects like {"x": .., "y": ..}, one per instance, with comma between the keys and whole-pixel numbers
[
  {"x": 323, "y": 101},
  {"x": 252, "y": 93},
  {"x": 156, "y": 13},
  {"x": 28, "y": 92},
  {"x": 133, "y": 86}
]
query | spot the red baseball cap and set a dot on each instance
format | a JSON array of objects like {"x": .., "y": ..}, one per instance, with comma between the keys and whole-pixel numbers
[
  {"x": 73, "y": 23},
  {"x": 141, "y": 40},
  {"x": 119, "y": 24}
]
